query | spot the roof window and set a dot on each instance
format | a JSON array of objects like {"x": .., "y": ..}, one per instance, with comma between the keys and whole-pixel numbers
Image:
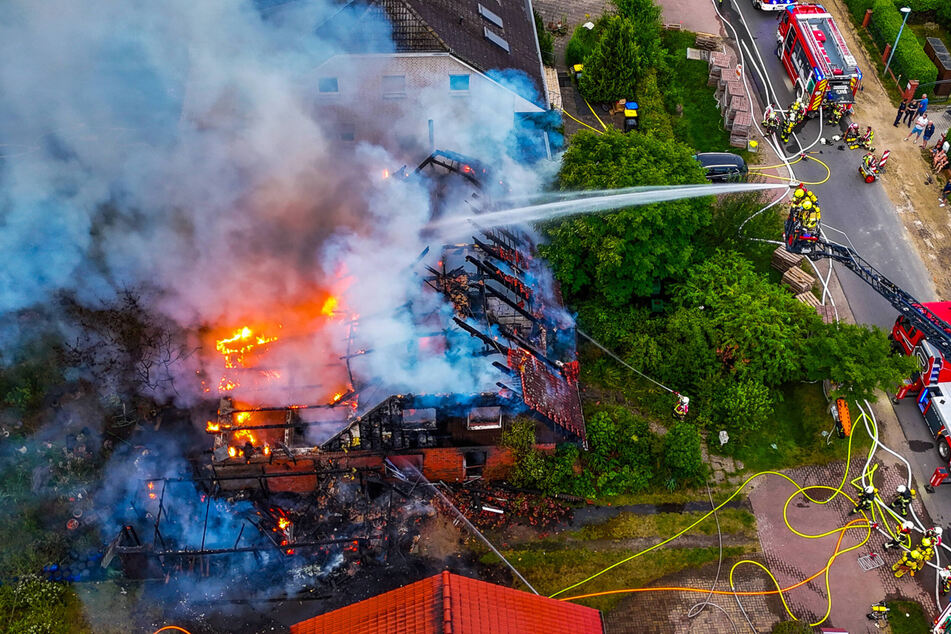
[
  {"x": 491, "y": 17},
  {"x": 495, "y": 39}
]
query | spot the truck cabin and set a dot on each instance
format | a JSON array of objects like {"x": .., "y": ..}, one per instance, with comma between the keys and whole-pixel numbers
[{"x": 907, "y": 337}]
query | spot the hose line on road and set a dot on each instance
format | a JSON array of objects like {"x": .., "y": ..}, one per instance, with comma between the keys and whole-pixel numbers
[{"x": 755, "y": 170}]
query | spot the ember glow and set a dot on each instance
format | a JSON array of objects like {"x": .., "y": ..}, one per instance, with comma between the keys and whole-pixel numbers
[{"x": 151, "y": 486}]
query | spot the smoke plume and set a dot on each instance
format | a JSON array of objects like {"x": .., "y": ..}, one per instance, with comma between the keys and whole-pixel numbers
[{"x": 177, "y": 146}]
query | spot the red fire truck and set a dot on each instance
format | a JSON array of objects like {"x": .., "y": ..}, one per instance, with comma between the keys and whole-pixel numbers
[{"x": 816, "y": 57}]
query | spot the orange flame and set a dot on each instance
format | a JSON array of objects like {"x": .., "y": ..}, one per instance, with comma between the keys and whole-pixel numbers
[
  {"x": 283, "y": 523},
  {"x": 267, "y": 450},
  {"x": 238, "y": 344},
  {"x": 151, "y": 486},
  {"x": 232, "y": 452},
  {"x": 337, "y": 397},
  {"x": 212, "y": 427}
]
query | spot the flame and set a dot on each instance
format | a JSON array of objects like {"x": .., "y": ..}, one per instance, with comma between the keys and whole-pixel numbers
[
  {"x": 212, "y": 427},
  {"x": 386, "y": 173},
  {"x": 330, "y": 304},
  {"x": 337, "y": 397},
  {"x": 267, "y": 450},
  {"x": 244, "y": 434},
  {"x": 232, "y": 452},
  {"x": 242, "y": 417},
  {"x": 238, "y": 344},
  {"x": 283, "y": 523},
  {"x": 151, "y": 486}
]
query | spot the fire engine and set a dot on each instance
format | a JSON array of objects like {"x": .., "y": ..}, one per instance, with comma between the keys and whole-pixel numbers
[
  {"x": 922, "y": 330},
  {"x": 816, "y": 57}
]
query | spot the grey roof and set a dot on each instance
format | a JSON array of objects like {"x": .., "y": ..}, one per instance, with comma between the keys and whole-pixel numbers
[{"x": 472, "y": 34}]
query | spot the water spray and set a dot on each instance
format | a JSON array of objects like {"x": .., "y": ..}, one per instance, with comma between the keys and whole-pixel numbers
[{"x": 596, "y": 203}]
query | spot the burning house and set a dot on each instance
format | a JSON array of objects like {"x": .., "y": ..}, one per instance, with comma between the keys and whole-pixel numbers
[
  {"x": 336, "y": 480},
  {"x": 487, "y": 298}
]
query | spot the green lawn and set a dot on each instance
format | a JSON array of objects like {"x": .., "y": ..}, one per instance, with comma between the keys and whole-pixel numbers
[
  {"x": 700, "y": 125},
  {"x": 914, "y": 623},
  {"x": 630, "y": 525},
  {"x": 550, "y": 571},
  {"x": 799, "y": 420}
]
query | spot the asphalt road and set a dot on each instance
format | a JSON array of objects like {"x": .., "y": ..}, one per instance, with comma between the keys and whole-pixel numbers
[{"x": 861, "y": 210}]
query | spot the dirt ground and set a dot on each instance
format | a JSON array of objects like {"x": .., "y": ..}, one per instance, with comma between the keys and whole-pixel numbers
[{"x": 908, "y": 170}]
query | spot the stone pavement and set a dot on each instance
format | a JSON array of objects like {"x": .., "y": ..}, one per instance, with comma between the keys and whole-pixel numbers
[
  {"x": 666, "y": 612},
  {"x": 792, "y": 558}
]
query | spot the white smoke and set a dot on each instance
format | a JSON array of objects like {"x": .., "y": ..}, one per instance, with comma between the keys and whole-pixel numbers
[{"x": 177, "y": 144}]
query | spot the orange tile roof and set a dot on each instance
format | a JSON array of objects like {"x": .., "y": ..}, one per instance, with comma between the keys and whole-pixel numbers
[{"x": 452, "y": 604}]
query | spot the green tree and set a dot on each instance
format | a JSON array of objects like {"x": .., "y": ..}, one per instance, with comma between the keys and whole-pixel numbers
[
  {"x": 857, "y": 359},
  {"x": 616, "y": 63},
  {"x": 682, "y": 455},
  {"x": 760, "y": 331},
  {"x": 621, "y": 255}
]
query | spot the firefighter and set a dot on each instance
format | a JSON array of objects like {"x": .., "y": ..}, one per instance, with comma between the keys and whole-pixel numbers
[
  {"x": 852, "y": 135},
  {"x": 810, "y": 219},
  {"x": 903, "y": 498},
  {"x": 771, "y": 121},
  {"x": 902, "y": 538},
  {"x": 867, "y": 138},
  {"x": 910, "y": 562},
  {"x": 933, "y": 533},
  {"x": 682, "y": 406},
  {"x": 865, "y": 500},
  {"x": 944, "y": 575}
]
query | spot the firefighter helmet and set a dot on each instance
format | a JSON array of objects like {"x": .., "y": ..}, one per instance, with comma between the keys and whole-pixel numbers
[
  {"x": 902, "y": 488},
  {"x": 938, "y": 530},
  {"x": 799, "y": 193},
  {"x": 915, "y": 554},
  {"x": 869, "y": 490},
  {"x": 926, "y": 542},
  {"x": 906, "y": 526},
  {"x": 807, "y": 204}
]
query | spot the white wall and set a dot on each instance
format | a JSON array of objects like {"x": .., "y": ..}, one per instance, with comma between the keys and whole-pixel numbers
[{"x": 463, "y": 120}]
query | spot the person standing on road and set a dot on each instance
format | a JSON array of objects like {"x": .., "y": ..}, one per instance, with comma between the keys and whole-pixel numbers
[
  {"x": 945, "y": 193},
  {"x": 901, "y": 111},
  {"x": 929, "y": 131},
  {"x": 920, "y": 124},
  {"x": 910, "y": 110}
]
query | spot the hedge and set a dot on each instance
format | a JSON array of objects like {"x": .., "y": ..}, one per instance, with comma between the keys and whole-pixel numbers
[
  {"x": 909, "y": 59},
  {"x": 653, "y": 114}
]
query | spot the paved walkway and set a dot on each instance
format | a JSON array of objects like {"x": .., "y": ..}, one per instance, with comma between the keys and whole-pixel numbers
[
  {"x": 667, "y": 612},
  {"x": 792, "y": 558}
]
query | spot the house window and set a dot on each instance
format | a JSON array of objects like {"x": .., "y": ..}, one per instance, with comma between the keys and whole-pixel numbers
[
  {"x": 474, "y": 463},
  {"x": 347, "y": 131},
  {"x": 327, "y": 84},
  {"x": 394, "y": 86},
  {"x": 458, "y": 82}
]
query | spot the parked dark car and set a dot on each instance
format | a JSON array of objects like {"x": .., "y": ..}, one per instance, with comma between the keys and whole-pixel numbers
[{"x": 722, "y": 167}]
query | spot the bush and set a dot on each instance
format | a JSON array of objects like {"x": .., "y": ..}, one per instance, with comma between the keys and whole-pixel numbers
[
  {"x": 682, "y": 453},
  {"x": 546, "y": 42},
  {"x": 858, "y": 7},
  {"x": 909, "y": 59},
  {"x": 580, "y": 45}
]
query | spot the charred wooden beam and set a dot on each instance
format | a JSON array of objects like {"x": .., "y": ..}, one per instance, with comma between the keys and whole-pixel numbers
[
  {"x": 517, "y": 286},
  {"x": 514, "y": 305},
  {"x": 489, "y": 341}
]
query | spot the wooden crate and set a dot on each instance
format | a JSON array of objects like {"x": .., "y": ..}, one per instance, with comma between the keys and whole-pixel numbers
[
  {"x": 798, "y": 280},
  {"x": 809, "y": 299},
  {"x": 783, "y": 260}
]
